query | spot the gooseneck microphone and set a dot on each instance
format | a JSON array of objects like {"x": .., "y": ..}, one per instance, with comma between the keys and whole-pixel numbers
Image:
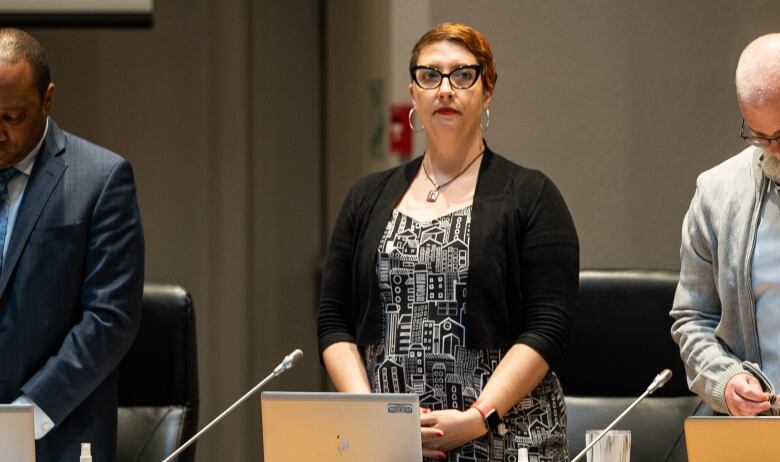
[
  {"x": 288, "y": 362},
  {"x": 658, "y": 382}
]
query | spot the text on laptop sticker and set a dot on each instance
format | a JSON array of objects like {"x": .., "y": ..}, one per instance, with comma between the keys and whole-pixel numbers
[{"x": 399, "y": 408}]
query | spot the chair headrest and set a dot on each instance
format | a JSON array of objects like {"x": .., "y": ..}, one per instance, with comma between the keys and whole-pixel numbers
[{"x": 161, "y": 367}]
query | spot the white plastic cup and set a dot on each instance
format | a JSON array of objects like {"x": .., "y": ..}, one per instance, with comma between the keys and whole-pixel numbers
[{"x": 615, "y": 446}]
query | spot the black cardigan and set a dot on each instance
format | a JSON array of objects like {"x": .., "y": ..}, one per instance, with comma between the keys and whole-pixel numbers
[{"x": 523, "y": 260}]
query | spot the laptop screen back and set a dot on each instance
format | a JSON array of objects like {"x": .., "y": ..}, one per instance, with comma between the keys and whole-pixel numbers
[
  {"x": 17, "y": 434},
  {"x": 733, "y": 439},
  {"x": 341, "y": 427}
]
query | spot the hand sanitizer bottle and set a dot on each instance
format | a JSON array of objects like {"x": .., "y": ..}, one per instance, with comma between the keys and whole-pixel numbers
[
  {"x": 86, "y": 452},
  {"x": 522, "y": 455}
]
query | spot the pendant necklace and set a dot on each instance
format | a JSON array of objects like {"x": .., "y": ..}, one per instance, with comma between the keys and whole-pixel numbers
[{"x": 433, "y": 194}]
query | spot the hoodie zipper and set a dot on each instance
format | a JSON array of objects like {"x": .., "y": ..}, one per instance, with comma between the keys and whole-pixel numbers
[{"x": 761, "y": 190}]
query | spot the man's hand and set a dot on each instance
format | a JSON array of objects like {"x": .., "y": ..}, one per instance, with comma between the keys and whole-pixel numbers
[{"x": 744, "y": 396}]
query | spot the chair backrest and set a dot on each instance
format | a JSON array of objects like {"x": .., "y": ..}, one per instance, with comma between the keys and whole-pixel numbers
[
  {"x": 620, "y": 340},
  {"x": 158, "y": 379}
]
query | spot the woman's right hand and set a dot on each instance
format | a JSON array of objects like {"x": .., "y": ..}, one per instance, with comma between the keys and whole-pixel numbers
[
  {"x": 428, "y": 435},
  {"x": 449, "y": 429}
]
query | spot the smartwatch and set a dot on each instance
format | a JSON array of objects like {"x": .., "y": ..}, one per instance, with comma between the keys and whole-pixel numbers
[{"x": 490, "y": 416}]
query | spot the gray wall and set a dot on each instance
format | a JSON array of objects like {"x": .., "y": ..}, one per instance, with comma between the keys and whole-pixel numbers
[
  {"x": 218, "y": 108},
  {"x": 621, "y": 103}
]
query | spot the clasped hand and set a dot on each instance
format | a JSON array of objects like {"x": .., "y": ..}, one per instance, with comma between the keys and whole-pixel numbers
[
  {"x": 745, "y": 397},
  {"x": 448, "y": 429}
]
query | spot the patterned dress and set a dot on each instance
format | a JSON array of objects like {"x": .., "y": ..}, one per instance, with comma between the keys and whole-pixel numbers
[{"x": 422, "y": 271}]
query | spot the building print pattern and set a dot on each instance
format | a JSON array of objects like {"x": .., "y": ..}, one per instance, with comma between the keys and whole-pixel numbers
[{"x": 422, "y": 270}]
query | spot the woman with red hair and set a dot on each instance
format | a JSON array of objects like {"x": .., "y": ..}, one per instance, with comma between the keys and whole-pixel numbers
[{"x": 454, "y": 276}]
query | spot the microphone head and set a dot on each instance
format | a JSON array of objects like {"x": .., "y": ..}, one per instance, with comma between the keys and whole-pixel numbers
[
  {"x": 296, "y": 355},
  {"x": 660, "y": 380},
  {"x": 288, "y": 362}
]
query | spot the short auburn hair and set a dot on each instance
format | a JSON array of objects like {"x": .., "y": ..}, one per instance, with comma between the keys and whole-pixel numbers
[{"x": 467, "y": 36}]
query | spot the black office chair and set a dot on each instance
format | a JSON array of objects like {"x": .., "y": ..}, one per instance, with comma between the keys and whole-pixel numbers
[
  {"x": 158, "y": 380},
  {"x": 620, "y": 340}
]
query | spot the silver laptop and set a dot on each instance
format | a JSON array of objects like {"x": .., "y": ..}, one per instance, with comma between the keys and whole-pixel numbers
[
  {"x": 732, "y": 439},
  {"x": 343, "y": 427},
  {"x": 17, "y": 434}
]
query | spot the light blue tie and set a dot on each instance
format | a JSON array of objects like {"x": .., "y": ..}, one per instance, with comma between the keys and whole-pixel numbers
[{"x": 6, "y": 174}]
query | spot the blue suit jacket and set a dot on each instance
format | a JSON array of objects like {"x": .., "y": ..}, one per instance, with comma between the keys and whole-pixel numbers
[{"x": 70, "y": 293}]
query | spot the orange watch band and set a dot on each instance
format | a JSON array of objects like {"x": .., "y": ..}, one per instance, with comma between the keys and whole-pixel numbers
[{"x": 489, "y": 414}]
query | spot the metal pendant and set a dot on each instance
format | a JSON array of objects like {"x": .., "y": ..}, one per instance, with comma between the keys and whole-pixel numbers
[{"x": 433, "y": 194}]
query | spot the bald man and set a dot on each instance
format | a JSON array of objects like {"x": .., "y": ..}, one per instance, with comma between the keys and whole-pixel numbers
[{"x": 727, "y": 305}]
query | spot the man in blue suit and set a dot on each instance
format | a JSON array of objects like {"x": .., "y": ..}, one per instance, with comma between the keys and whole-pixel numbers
[{"x": 71, "y": 272}]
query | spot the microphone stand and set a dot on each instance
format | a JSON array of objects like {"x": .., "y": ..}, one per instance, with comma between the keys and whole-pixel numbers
[
  {"x": 286, "y": 364},
  {"x": 659, "y": 381}
]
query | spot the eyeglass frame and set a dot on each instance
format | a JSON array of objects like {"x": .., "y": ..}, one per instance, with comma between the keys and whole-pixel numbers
[
  {"x": 478, "y": 67},
  {"x": 759, "y": 140}
]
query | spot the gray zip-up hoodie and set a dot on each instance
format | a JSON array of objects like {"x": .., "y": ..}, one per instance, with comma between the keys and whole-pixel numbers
[{"x": 714, "y": 307}]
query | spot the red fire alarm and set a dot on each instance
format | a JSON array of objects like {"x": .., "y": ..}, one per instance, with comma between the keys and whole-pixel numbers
[{"x": 400, "y": 131}]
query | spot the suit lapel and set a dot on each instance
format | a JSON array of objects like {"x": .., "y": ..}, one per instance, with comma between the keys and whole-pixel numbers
[{"x": 46, "y": 173}]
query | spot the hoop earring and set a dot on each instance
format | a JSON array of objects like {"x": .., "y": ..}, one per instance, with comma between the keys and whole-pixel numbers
[
  {"x": 484, "y": 122},
  {"x": 411, "y": 121}
]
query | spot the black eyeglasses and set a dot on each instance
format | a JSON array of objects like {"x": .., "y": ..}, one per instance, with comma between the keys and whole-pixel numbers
[
  {"x": 759, "y": 141},
  {"x": 461, "y": 78}
]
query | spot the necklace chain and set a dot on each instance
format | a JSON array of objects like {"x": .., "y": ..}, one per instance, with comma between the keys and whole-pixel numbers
[{"x": 433, "y": 194}]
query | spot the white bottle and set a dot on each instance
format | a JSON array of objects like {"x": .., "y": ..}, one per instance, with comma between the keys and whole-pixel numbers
[
  {"x": 522, "y": 455},
  {"x": 86, "y": 452}
]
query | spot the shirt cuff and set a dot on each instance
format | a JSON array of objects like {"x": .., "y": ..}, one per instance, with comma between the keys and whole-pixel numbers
[{"x": 43, "y": 424}]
